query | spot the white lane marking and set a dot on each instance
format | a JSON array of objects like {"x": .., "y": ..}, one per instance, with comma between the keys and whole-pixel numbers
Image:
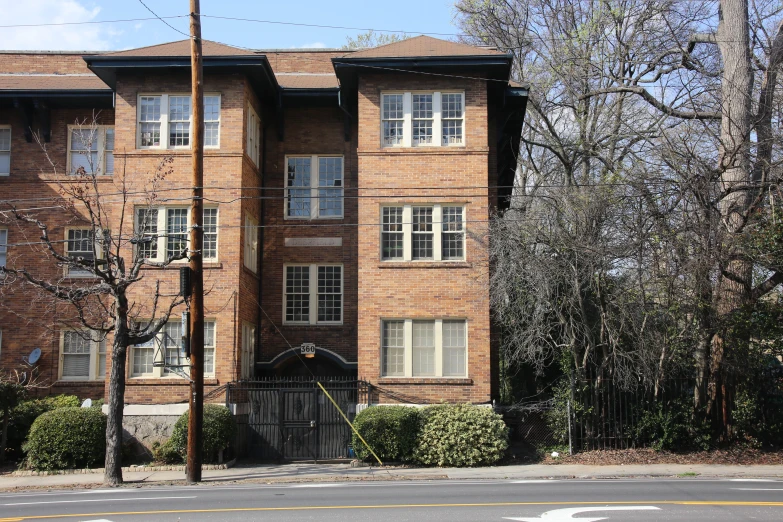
[
  {"x": 91, "y": 500},
  {"x": 531, "y": 481},
  {"x": 563, "y": 515},
  {"x": 98, "y": 520},
  {"x": 317, "y": 486},
  {"x": 757, "y": 489},
  {"x": 752, "y": 480}
]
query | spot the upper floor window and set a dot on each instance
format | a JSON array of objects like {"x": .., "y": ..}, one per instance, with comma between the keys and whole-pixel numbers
[
  {"x": 166, "y": 121},
  {"x": 423, "y": 233},
  {"x": 314, "y": 187},
  {"x": 416, "y": 119},
  {"x": 83, "y": 243},
  {"x": 5, "y": 150},
  {"x": 251, "y": 244},
  {"x": 81, "y": 356},
  {"x": 91, "y": 150},
  {"x": 253, "y": 134},
  {"x": 164, "y": 232},
  {"x": 313, "y": 294}
]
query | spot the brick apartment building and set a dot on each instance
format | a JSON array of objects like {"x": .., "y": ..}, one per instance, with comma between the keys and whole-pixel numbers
[{"x": 346, "y": 195}]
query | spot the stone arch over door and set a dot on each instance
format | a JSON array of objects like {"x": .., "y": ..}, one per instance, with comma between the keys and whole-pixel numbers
[{"x": 323, "y": 362}]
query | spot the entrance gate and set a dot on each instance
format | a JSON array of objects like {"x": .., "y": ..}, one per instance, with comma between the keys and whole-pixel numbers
[{"x": 292, "y": 419}]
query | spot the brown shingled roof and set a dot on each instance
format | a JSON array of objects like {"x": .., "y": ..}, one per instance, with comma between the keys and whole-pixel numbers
[
  {"x": 50, "y": 82},
  {"x": 306, "y": 81},
  {"x": 422, "y": 46},
  {"x": 182, "y": 48}
]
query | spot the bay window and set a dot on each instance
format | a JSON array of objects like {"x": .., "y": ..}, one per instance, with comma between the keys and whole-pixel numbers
[
  {"x": 165, "y": 121},
  {"x": 417, "y": 119},
  {"x": 165, "y": 231},
  {"x": 164, "y": 354},
  {"x": 423, "y": 233}
]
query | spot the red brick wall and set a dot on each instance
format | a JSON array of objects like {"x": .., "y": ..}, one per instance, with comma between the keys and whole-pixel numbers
[{"x": 424, "y": 290}]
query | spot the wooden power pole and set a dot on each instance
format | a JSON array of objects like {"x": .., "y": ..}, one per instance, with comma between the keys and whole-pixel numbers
[{"x": 196, "y": 415}]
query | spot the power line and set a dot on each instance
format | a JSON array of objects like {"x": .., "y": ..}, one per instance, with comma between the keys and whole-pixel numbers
[
  {"x": 55, "y": 24},
  {"x": 164, "y": 21}
]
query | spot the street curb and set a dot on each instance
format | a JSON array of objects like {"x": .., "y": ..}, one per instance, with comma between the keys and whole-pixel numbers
[{"x": 125, "y": 469}]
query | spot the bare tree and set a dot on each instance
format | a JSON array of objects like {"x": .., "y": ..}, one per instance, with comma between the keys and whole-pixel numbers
[
  {"x": 669, "y": 104},
  {"x": 373, "y": 39},
  {"x": 109, "y": 262}
]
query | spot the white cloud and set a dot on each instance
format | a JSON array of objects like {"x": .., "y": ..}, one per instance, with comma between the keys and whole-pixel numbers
[
  {"x": 314, "y": 45},
  {"x": 63, "y": 37}
]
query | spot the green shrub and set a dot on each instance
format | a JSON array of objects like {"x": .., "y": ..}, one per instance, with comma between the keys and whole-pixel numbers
[
  {"x": 26, "y": 412},
  {"x": 165, "y": 453},
  {"x": 219, "y": 432},
  {"x": 461, "y": 435},
  {"x": 67, "y": 438},
  {"x": 390, "y": 431},
  {"x": 672, "y": 427}
]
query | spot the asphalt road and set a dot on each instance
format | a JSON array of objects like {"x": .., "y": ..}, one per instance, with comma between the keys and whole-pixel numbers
[{"x": 690, "y": 500}]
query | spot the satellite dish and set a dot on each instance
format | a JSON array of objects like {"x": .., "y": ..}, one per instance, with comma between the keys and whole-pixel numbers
[
  {"x": 33, "y": 357},
  {"x": 87, "y": 403}
]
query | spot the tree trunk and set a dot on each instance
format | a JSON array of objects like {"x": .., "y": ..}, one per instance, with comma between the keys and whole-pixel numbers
[
  {"x": 113, "y": 467},
  {"x": 733, "y": 288}
]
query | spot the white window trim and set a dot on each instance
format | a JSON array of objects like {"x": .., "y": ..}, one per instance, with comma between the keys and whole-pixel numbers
[
  {"x": 314, "y": 187},
  {"x": 159, "y": 356},
  {"x": 437, "y": 233},
  {"x": 253, "y": 144},
  {"x": 250, "y": 254},
  {"x": 99, "y": 253},
  {"x": 94, "y": 358},
  {"x": 408, "y": 342},
  {"x": 164, "y": 120},
  {"x": 437, "y": 125},
  {"x": 101, "y": 137},
  {"x": 10, "y": 144},
  {"x": 162, "y": 254},
  {"x": 313, "y": 278}
]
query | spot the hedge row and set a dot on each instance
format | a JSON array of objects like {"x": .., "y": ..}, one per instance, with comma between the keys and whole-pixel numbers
[{"x": 444, "y": 435}]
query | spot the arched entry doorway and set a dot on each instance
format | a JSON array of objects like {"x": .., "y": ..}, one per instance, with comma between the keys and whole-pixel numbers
[{"x": 319, "y": 362}]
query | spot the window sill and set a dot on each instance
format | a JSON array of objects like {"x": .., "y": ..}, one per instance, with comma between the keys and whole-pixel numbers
[
  {"x": 176, "y": 265},
  {"x": 78, "y": 380},
  {"x": 312, "y": 325},
  {"x": 425, "y": 264},
  {"x": 451, "y": 381},
  {"x": 172, "y": 381}
]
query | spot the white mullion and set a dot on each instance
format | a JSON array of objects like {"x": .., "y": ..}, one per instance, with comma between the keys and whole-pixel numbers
[
  {"x": 438, "y": 347},
  {"x": 313, "y": 187},
  {"x": 407, "y": 126},
  {"x": 407, "y": 231},
  {"x": 101, "y": 166},
  {"x": 408, "y": 341},
  {"x": 93, "y": 359},
  {"x": 313, "y": 294},
  {"x": 158, "y": 352},
  {"x": 437, "y": 228},
  {"x": 163, "y": 234},
  {"x": 164, "y": 121},
  {"x": 437, "y": 129}
]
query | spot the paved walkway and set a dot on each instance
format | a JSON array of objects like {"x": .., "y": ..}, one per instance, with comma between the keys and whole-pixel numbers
[{"x": 341, "y": 472}]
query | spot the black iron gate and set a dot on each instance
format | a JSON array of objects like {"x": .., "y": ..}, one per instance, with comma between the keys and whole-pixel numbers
[{"x": 292, "y": 419}]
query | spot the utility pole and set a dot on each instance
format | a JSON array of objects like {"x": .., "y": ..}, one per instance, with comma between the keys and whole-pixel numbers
[{"x": 196, "y": 415}]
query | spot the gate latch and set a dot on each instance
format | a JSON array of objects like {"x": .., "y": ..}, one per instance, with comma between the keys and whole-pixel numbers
[{"x": 312, "y": 424}]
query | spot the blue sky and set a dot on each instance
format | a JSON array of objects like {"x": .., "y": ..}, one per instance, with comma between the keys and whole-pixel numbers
[{"x": 413, "y": 16}]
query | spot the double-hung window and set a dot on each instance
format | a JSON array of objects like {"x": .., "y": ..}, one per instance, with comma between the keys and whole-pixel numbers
[
  {"x": 424, "y": 348},
  {"x": 85, "y": 244},
  {"x": 165, "y": 121},
  {"x": 164, "y": 232},
  {"x": 417, "y": 119},
  {"x": 82, "y": 357},
  {"x": 91, "y": 150},
  {"x": 313, "y": 294},
  {"x": 5, "y": 150},
  {"x": 164, "y": 354},
  {"x": 314, "y": 187},
  {"x": 248, "y": 351},
  {"x": 253, "y": 135},
  {"x": 423, "y": 233},
  {"x": 251, "y": 244}
]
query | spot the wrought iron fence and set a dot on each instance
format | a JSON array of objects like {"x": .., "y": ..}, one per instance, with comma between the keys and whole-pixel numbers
[{"x": 292, "y": 418}]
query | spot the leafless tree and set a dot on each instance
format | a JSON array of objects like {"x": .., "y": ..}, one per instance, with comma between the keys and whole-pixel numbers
[
  {"x": 652, "y": 132},
  {"x": 101, "y": 301}
]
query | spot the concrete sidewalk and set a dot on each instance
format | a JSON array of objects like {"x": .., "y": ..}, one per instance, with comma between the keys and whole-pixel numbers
[{"x": 301, "y": 472}]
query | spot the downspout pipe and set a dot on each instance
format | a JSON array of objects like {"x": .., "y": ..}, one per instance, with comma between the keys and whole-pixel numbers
[{"x": 260, "y": 268}]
